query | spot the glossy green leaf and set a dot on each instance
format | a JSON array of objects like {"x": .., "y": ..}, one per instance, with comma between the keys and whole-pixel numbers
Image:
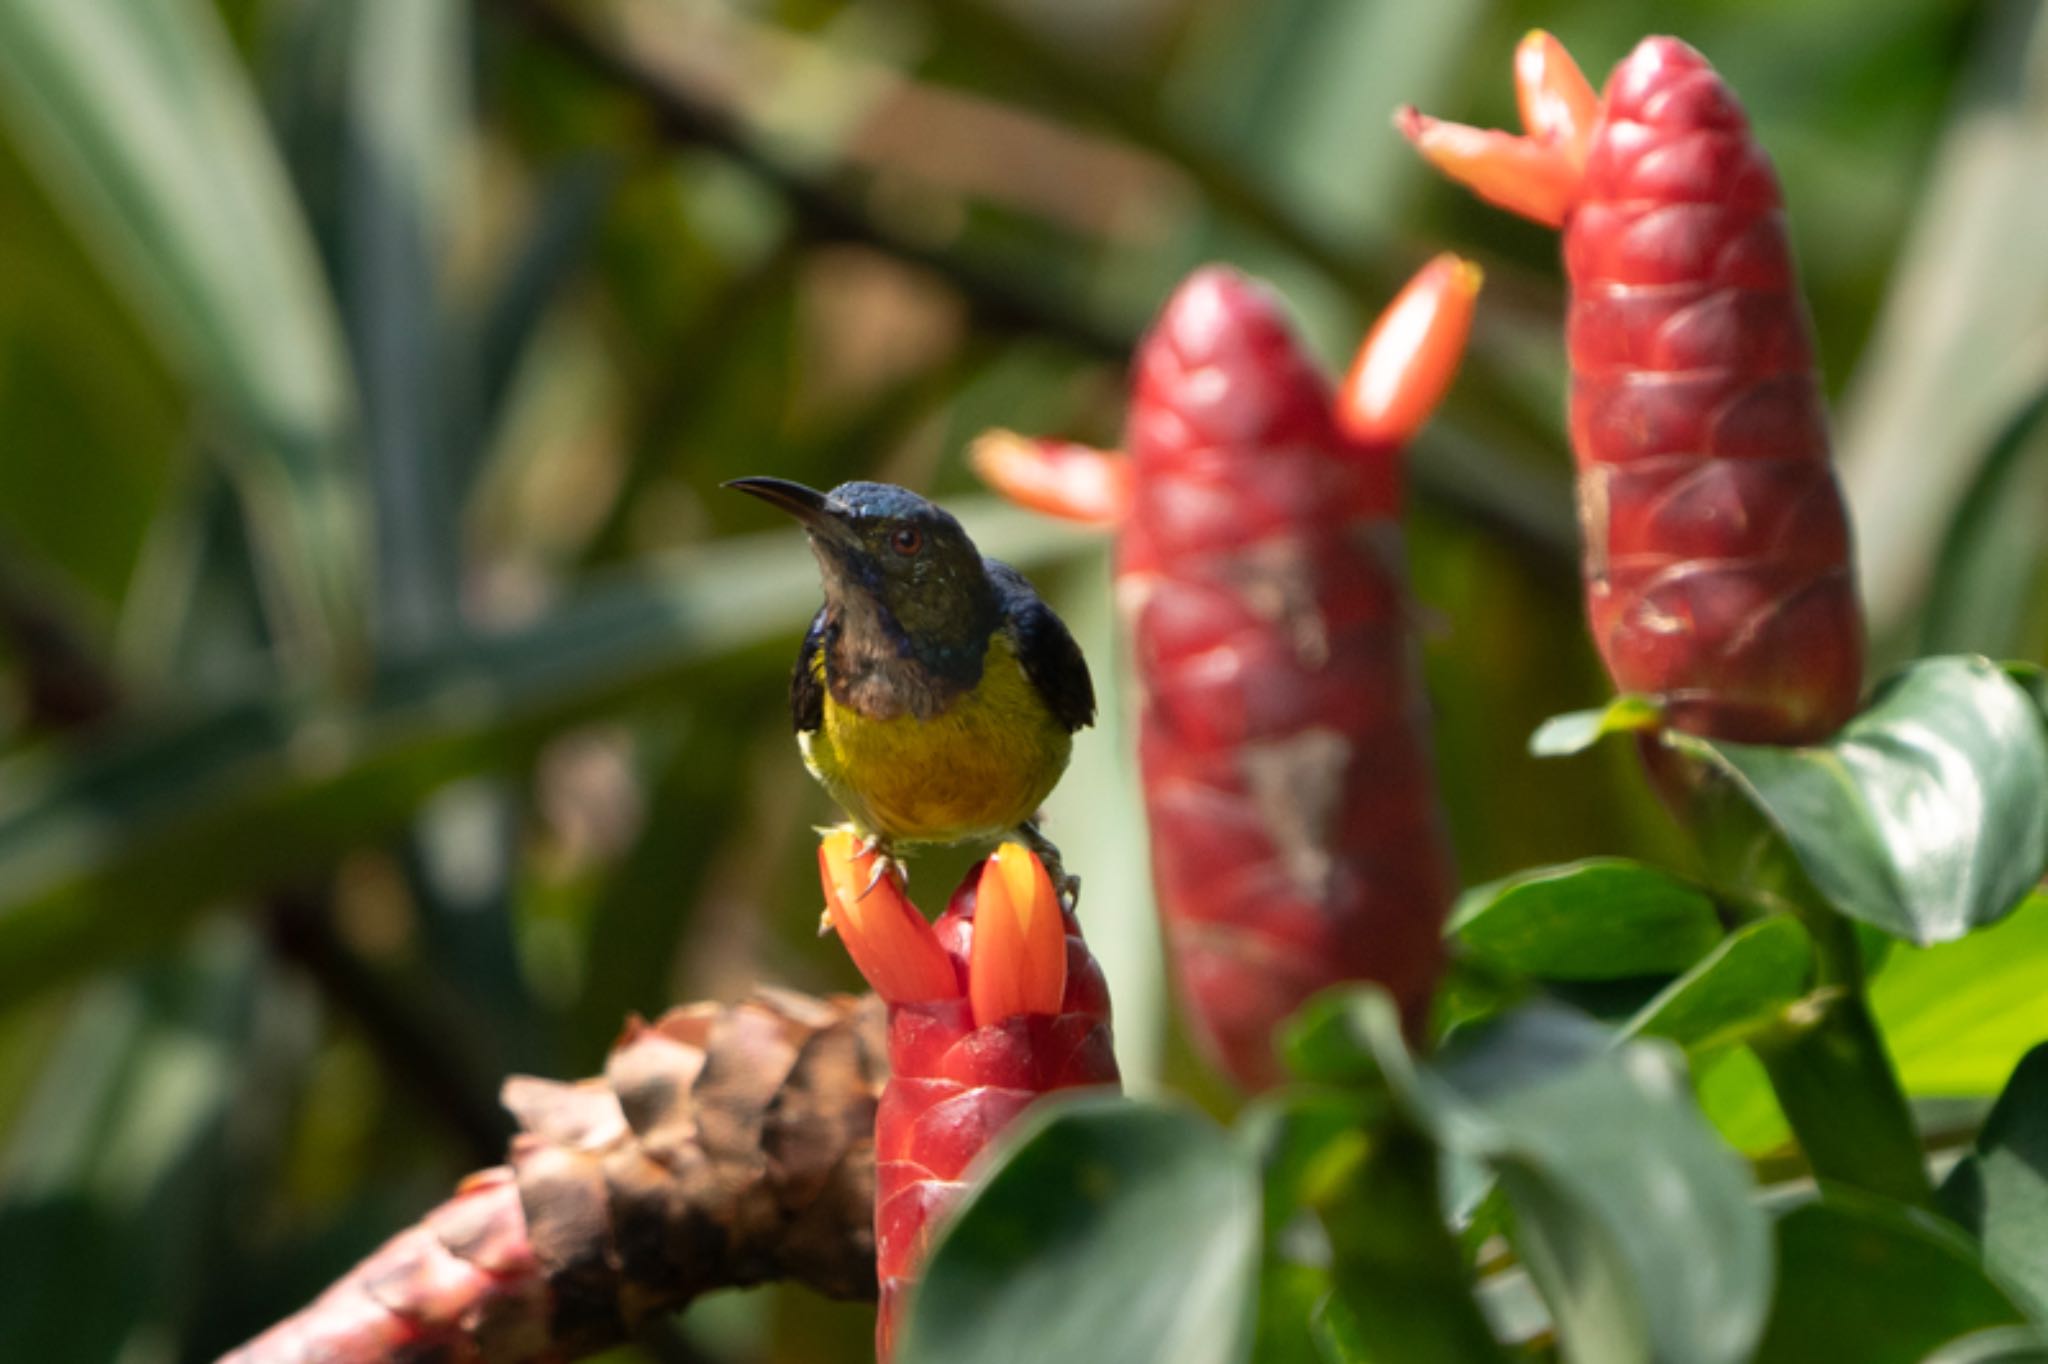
[
  {"x": 1744, "y": 983},
  {"x": 105, "y": 856},
  {"x": 1561, "y": 736},
  {"x": 1601, "y": 919},
  {"x": 1106, "y": 1230},
  {"x": 1868, "y": 1280},
  {"x": 144, "y": 121},
  {"x": 1958, "y": 1016},
  {"x": 1927, "y": 816},
  {"x": 2000, "y": 1193},
  {"x": 1635, "y": 1221}
]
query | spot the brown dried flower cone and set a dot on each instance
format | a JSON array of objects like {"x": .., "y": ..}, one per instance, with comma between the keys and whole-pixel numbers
[{"x": 723, "y": 1145}]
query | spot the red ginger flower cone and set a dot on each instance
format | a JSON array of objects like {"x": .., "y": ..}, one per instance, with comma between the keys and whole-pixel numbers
[
  {"x": 1717, "y": 564},
  {"x": 996, "y": 1004},
  {"x": 1296, "y": 837}
]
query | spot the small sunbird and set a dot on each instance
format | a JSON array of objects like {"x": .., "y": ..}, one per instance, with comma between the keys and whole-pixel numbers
[{"x": 935, "y": 695}]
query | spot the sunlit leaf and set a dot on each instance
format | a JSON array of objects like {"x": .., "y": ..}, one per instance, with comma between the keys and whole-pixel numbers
[
  {"x": 1958, "y": 1016},
  {"x": 1564, "y": 735},
  {"x": 1927, "y": 816}
]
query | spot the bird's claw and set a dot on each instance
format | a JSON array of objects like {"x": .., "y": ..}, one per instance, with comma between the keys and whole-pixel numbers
[
  {"x": 1048, "y": 854},
  {"x": 887, "y": 864}
]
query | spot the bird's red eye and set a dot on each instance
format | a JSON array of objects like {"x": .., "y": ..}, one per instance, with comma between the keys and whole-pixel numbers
[{"x": 907, "y": 540}]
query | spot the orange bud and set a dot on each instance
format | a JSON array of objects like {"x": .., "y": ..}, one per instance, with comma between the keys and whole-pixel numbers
[
  {"x": 1060, "y": 478},
  {"x": 1019, "y": 960},
  {"x": 889, "y": 941},
  {"x": 1558, "y": 104},
  {"x": 1410, "y": 356}
]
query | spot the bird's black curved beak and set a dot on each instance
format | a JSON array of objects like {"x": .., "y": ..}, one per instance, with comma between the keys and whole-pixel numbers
[{"x": 807, "y": 505}]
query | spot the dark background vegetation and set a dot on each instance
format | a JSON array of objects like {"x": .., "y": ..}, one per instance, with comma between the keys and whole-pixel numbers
[{"x": 391, "y": 700}]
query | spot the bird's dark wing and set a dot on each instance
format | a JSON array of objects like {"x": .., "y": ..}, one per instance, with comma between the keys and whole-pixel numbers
[
  {"x": 806, "y": 690},
  {"x": 1050, "y": 657}
]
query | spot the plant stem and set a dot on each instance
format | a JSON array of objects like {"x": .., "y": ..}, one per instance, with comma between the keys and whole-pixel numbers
[
  {"x": 1828, "y": 1067},
  {"x": 1400, "y": 1278}
]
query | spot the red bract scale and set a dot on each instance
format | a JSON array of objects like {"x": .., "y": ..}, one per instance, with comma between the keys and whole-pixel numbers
[
  {"x": 1296, "y": 836},
  {"x": 1025, "y": 1014},
  {"x": 1717, "y": 564}
]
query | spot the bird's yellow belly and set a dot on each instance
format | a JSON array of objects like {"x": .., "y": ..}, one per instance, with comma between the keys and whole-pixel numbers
[{"x": 979, "y": 768}]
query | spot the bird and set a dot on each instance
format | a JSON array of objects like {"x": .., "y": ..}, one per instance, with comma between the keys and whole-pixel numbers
[{"x": 935, "y": 695}]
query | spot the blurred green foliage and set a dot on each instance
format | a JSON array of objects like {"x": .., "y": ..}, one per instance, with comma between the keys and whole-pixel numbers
[{"x": 392, "y": 701}]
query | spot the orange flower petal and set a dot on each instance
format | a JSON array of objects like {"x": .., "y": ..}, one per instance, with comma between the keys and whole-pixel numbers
[
  {"x": 1019, "y": 960},
  {"x": 1538, "y": 180},
  {"x": 1057, "y": 477},
  {"x": 1411, "y": 355},
  {"x": 1558, "y": 104},
  {"x": 889, "y": 941}
]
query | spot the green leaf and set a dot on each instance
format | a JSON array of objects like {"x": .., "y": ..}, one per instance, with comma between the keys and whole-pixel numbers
[
  {"x": 407, "y": 110},
  {"x": 1927, "y": 816},
  {"x": 1965, "y": 300},
  {"x": 1740, "y": 986},
  {"x": 571, "y": 204},
  {"x": 1999, "y": 1345},
  {"x": 1987, "y": 577},
  {"x": 1106, "y": 1230},
  {"x": 1735, "y": 1094},
  {"x": 143, "y": 120},
  {"x": 1338, "y": 1335},
  {"x": 1601, "y": 919},
  {"x": 2000, "y": 1193},
  {"x": 1561, "y": 736},
  {"x": 1870, "y": 1280},
  {"x": 1958, "y": 1017},
  {"x": 118, "y": 1176},
  {"x": 1635, "y": 1221}
]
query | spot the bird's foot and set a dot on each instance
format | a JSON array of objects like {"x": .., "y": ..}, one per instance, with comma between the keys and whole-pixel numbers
[
  {"x": 888, "y": 863},
  {"x": 1048, "y": 853}
]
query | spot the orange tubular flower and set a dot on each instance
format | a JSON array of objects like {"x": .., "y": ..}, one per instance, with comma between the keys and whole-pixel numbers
[
  {"x": 1032, "y": 1017},
  {"x": 889, "y": 941},
  {"x": 1296, "y": 838},
  {"x": 1411, "y": 355},
  {"x": 1717, "y": 568},
  {"x": 1019, "y": 962}
]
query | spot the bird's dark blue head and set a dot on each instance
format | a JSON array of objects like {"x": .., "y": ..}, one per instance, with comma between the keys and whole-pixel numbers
[{"x": 897, "y": 568}]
